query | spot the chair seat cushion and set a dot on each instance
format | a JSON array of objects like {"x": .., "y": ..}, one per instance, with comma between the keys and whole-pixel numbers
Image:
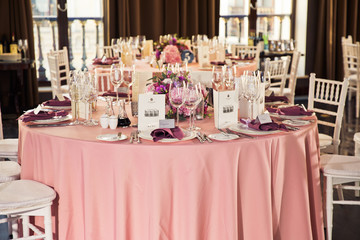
[
  {"x": 347, "y": 166},
  {"x": 9, "y": 171},
  {"x": 23, "y": 194},
  {"x": 9, "y": 147},
  {"x": 325, "y": 140}
]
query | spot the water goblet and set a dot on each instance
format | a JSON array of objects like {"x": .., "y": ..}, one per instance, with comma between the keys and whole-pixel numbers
[{"x": 176, "y": 96}]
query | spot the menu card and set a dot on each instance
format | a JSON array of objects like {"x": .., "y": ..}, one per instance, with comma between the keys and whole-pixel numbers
[
  {"x": 139, "y": 84},
  {"x": 83, "y": 110},
  {"x": 203, "y": 56},
  {"x": 151, "y": 110},
  {"x": 258, "y": 105},
  {"x": 226, "y": 107}
]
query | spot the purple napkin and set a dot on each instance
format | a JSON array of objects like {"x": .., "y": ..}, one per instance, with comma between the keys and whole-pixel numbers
[
  {"x": 161, "y": 133},
  {"x": 255, "y": 124},
  {"x": 107, "y": 61},
  {"x": 113, "y": 94},
  {"x": 290, "y": 111},
  {"x": 42, "y": 115},
  {"x": 56, "y": 103},
  {"x": 276, "y": 99}
]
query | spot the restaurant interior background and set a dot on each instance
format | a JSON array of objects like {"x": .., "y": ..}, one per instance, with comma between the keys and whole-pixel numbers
[{"x": 316, "y": 27}]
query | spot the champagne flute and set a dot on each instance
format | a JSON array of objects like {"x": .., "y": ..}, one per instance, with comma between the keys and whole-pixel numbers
[
  {"x": 116, "y": 77},
  {"x": 74, "y": 95},
  {"x": 115, "y": 46},
  {"x": 176, "y": 96},
  {"x": 128, "y": 80},
  {"x": 198, "y": 88},
  {"x": 192, "y": 97}
]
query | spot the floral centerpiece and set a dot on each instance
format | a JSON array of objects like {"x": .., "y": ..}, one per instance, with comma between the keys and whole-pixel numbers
[
  {"x": 170, "y": 47},
  {"x": 161, "y": 84}
]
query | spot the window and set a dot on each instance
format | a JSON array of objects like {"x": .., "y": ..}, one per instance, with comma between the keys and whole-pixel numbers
[
  {"x": 85, "y": 31},
  {"x": 273, "y": 18}
]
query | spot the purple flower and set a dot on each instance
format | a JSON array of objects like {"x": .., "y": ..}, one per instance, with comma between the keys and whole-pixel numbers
[
  {"x": 174, "y": 41},
  {"x": 158, "y": 53},
  {"x": 181, "y": 78}
]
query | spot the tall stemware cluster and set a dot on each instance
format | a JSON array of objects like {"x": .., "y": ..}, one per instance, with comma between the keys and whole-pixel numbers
[{"x": 83, "y": 87}]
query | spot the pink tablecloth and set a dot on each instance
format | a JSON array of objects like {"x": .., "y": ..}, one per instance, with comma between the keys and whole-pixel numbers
[{"x": 263, "y": 188}]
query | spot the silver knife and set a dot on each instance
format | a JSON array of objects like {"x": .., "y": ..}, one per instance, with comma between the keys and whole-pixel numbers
[
  {"x": 50, "y": 125},
  {"x": 199, "y": 138},
  {"x": 207, "y": 138}
]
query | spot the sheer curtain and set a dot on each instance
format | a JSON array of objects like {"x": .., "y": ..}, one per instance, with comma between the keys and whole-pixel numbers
[
  {"x": 328, "y": 21},
  {"x": 157, "y": 17}
]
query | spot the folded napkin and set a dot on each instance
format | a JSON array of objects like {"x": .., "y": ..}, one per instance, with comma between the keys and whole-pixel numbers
[
  {"x": 161, "y": 133},
  {"x": 57, "y": 103},
  {"x": 113, "y": 94},
  {"x": 290, "y": 111},
  {"x": 242, "y": 59},
  {"x": 276, "y": 99},
  {"x": 255, "y": 124},
  {"x": 218, "y": 63},
  {"x": 107, "y": 61},
  {"x": 42, "y": 115}
]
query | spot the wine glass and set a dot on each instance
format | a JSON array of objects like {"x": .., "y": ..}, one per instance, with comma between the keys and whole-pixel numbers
[
  {"x": 217, "y": 80},
  {"x": 198, "y": 88},
  {"x": 115, "y": 46},
  {"x": 93, "y": 93},
  {"x": 128, "y": 80},
  {"x": 141, "y": 41},
  {"x": 176, "y": 96},
  {"x": 20, "y": 45},
  {"x": 25, "y": 47},
  {"x": 74, "y": 95},
  {"x": 192, "y": 97},
  {"x": 116, "y": 77},
  {"x": 251, "y": 90}
]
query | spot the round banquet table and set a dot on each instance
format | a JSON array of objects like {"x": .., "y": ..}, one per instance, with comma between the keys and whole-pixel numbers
[{"x": 262, "y": 188}]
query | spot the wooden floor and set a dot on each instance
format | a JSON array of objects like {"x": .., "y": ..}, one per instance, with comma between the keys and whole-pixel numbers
[{"x": 346, "y": 222}]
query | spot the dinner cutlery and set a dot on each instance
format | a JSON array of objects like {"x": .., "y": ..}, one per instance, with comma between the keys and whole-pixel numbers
[
  {"x": 50, "y": 125},
  {"x": 229, "y": 131},
  {"x": 131, "y": 137},
  {"x": 201, "y": 140},
  {"x": 137, "y": 137},
  {"x": 206, "y": 138}
]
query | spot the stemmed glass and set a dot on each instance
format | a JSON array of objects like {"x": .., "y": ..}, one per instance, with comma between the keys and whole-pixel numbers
[
  {"x": 217, "y": 80},
  {"x": 25, "y": 47},
  {"x": 251, "y": 86},
  {"x": 128, "y": 80},
  {"x": 115, "y": 46},
  {"x": 200, "y": 98},
  {"x": 141, "y": 41},
  {"x": 93, "y": 93},
  {"x": 192, "y": 96},
  {"x": 20, "y": 45},
  {"x": 177, "y": 96},
  {"x": 116, "y": 77},
  {"x": 74, "y": 95}
]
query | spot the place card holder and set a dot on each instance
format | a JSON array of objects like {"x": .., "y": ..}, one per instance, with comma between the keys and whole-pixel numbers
[
  {"x": 226, "y": 106},
  {"x": 151, "y": 108},
  {"x": 203, "y": 56},
  {"x": 258, "y": 106}
]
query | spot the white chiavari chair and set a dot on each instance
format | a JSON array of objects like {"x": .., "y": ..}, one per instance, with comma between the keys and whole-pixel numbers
[
  {"x": 244, "y": 51},
  {"x": 9, "y": 146},
  {"x": 103, "y": 77},
  {"x": 277, "y": 71},
  {"x": 328, "y": 97},
  {"x": 351, "y": 58},
  {"x": 105, "y": 51},
  {"x": 59, "y": 71}
]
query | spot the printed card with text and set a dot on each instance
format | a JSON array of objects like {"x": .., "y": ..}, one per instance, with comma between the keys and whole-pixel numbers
[
  {"x": 203, "y": 56},
  {"x": 226, "y": 106},
  {"x": 151, "y": 110}
]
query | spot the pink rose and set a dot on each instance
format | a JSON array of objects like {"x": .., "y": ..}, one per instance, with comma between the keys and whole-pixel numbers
[{"x": 172, "y": 54}]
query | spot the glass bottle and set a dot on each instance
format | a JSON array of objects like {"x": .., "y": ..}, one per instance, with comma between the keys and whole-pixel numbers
[
  {"x": 123, "y": 121},
  {"x": 13, "y": 44}
]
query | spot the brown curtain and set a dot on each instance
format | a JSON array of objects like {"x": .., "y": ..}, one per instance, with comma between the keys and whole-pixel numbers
[
  {"x": 328, "y": 21},
  {"x": 16, "y": 17},
  {"x": 153, "y": 18}
]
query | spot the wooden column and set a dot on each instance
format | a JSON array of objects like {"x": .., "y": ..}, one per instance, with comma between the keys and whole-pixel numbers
[
  {"x": 252, "y": 17},
  {"x": 62, "y": 23}
]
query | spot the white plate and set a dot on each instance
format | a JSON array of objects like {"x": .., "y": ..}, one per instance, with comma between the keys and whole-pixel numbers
[
  {"x": 296, "y": 122},
  {"x": 55, "y": 119},
  {"x": 289, "y": 117},
  {"x": 188, "y": 135},
  {"x": 111, "y": 137},
  {"x": 223, "y": 137},
  {"x": 242, "y": 128},
  {"x": 57, "y": 107}
]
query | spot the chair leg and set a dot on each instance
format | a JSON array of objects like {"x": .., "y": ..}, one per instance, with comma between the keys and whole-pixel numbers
[
  {"x": 25, "y": 225},
  {"x": 357, "y": 99},
  {"x": 340, "y": 192},
  {"x": 329, "y": 206},
  {"x": 357, "y": 192},
  {"x": 14, "y": 229},
  {"x": 48, "y": 223}
]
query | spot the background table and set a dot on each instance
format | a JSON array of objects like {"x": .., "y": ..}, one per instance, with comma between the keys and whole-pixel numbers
[{"x": 263, "y": 188}]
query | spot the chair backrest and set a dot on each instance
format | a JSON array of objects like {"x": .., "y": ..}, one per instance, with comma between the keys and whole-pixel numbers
[
  {"x": 277, "y": 69},
  {"x": 63, "y": 69},
  {"x": 244, "y": 51},
  {"x": 103, "y": 78},
  {"x": 351, "y": 56},
  {"x": 293, "y": 74},
  {"x": 104, "y": 51},
  {"x": 1, "y": 126},
  {"x": 328, "y": 92},
  {"x": 53, "y": 61}
]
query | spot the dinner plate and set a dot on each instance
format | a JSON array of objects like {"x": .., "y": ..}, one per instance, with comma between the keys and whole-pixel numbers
[
  {"x": 242, "y": 128},
  {"x": 296, "y": 122},
  {"x": 57, "y": 107},
  {"x": 55, "y": 119},
  {"x": 188, "y": 135},
  {"x": 289, "y": 117},
  {"x": 111, "y": 137},
  {"x": 223, "y": 137}
]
